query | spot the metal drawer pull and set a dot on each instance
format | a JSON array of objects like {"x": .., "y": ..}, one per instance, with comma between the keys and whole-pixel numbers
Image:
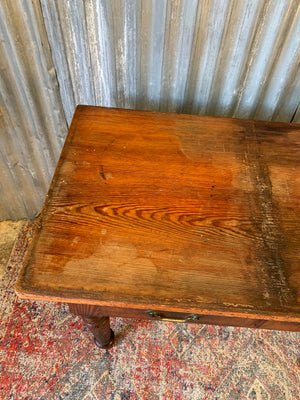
[{"x": 156, "y": 314}]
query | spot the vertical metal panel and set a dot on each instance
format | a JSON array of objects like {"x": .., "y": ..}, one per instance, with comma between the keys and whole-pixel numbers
[
  {"x": 32, "y": 123},
  {"x": 237, "y": 58}
]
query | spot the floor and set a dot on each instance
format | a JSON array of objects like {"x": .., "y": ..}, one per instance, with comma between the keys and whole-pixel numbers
[{"x": 9, "y": 231}]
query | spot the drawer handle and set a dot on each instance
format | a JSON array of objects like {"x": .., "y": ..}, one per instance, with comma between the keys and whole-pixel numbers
[{"x": 156, "y": 314}]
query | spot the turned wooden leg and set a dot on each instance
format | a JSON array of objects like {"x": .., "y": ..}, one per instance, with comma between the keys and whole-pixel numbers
[
  {"x": 100, "y": 328},
  {"x": 98, "y": 324}
]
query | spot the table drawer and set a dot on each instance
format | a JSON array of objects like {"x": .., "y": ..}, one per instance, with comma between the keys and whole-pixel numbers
[{"x": 168, "y": 316}]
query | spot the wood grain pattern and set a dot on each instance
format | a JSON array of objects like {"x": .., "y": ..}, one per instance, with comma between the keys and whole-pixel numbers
[{"x": 175, "y": 213}]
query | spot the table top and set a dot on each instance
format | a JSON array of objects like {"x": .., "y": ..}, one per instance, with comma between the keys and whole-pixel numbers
[{"x": 173, "y": 212}]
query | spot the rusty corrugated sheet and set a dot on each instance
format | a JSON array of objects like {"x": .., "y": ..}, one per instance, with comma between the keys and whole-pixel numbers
[
  {"x": 32, "y": 122},
  {"x": 237, "y": 58}
]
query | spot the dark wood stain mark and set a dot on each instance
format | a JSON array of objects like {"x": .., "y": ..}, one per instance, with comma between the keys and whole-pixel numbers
[
  {"x": 102, "y": 174},
  {"x": 264, "y": 213}
]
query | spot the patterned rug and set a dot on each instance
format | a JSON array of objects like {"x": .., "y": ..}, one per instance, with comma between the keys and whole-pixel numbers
[{"x": 48, "y": 354}]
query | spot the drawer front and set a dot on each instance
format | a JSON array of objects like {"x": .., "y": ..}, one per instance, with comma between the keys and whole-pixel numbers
[{"x": 155, "y": 315}]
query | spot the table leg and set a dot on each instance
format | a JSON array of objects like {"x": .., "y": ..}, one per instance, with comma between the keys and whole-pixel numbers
[{"x": 96, "y": 322}]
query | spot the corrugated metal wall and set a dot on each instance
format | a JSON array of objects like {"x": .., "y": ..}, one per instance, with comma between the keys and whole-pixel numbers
[
  {"x": 220, "y": 57},
  {"x": 32, "y": 122},
  {"x": 237, "y": 58}
]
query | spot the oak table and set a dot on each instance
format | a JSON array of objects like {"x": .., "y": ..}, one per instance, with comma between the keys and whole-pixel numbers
[{"x": 170, "y": 216}]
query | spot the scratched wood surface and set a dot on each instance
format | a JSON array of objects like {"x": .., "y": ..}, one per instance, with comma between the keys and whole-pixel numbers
[{"x": 172, "y": 212}]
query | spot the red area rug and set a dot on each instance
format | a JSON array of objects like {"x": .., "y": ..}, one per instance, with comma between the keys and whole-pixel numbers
[{"x": 48, "y": 354}]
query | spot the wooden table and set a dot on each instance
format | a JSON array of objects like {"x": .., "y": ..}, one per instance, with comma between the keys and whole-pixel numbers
[{"x": 169, "y": 216}]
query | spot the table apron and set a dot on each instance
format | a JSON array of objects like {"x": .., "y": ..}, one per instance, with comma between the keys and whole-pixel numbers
[{"x": 168, "y": 316}]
